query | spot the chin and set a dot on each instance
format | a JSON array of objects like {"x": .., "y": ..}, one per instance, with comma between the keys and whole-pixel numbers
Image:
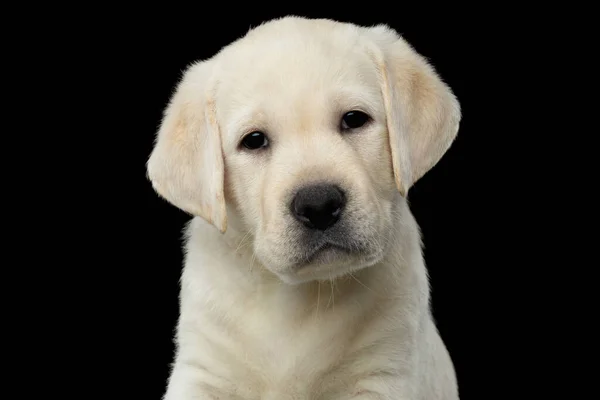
[{"x": 328, "y": 264}]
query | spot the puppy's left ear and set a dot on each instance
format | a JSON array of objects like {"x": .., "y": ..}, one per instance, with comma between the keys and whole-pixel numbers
[{"x": 423, "y": 115}]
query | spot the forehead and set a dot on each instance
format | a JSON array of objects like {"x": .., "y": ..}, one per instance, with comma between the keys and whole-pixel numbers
[{"x": 295, "y": 75}]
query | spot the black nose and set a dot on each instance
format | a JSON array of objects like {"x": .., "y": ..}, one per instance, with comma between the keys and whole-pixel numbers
[{"x": 318, "y": 206}]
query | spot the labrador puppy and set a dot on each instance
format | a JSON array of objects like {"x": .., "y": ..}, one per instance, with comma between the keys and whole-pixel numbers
[{"x": 294, "y": 148}]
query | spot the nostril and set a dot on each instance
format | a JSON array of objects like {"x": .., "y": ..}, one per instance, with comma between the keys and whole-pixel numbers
[
  {"x": 318, "y": 206},
  {"x": 337, "y": 211},
  {"x": 301, "y": 214}
]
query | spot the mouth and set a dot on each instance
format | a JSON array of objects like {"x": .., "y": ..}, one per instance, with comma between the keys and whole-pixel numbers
[
  {"x": 329, "y": 259},
  {"x": 323, "y": 254}
]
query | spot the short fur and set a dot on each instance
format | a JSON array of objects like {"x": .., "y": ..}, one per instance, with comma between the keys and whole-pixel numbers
[{"x": 264, "y": 313}]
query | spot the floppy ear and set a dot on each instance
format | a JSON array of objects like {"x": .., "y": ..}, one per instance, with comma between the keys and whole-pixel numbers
[
  {"x": 423, "y": 115},
  {"x": 186, "y": 165}
]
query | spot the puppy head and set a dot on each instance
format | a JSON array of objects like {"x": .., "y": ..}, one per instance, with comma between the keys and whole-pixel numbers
[{"x": 311, "y": 131}]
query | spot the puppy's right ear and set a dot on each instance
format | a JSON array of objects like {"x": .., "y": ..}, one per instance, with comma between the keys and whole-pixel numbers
[{"x": 186, "y": 166}]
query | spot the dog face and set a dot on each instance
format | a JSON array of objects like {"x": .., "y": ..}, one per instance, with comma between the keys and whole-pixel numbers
[{"x": 310, "y": 131}]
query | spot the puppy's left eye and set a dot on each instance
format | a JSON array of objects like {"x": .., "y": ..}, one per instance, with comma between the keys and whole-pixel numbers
[{"x": 354, "y": 120}]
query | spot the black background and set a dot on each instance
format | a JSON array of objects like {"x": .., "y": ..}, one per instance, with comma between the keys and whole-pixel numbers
[{"x": 457, "y": 204}]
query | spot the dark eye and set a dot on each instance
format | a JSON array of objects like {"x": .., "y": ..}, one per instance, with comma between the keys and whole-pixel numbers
[
  {"x": 354, "y": 119},
  {"x": 255, "y": 140}
]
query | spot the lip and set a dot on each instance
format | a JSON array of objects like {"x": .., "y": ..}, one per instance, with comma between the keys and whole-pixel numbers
[{"x": 319, "y": 251}]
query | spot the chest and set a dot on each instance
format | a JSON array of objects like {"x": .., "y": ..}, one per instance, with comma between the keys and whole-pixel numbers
[{"x": 276, "y": 348}]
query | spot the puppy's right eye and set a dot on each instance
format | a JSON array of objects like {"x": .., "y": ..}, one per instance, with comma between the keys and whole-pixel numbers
[{"x": 255, "y": 141}]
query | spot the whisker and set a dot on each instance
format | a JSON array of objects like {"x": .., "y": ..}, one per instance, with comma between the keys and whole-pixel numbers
[{"x": 358, "y": 280}]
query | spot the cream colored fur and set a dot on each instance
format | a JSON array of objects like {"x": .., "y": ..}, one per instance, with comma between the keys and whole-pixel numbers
[{"x": 254, "y": 323}]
